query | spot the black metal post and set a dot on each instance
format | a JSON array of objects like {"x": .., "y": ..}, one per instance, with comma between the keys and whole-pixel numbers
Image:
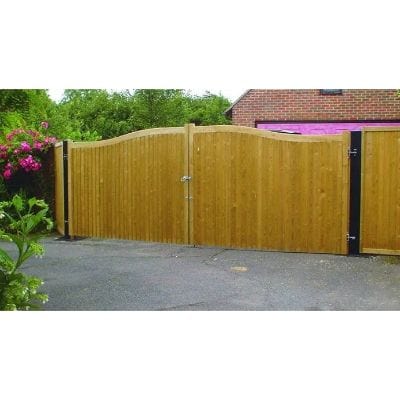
[
  {"x": 66, "y": 193},
  {"x": 355, "y": 192}
]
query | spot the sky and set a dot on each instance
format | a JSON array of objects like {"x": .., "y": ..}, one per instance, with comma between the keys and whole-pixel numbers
[{"x": 231, "y": 94}]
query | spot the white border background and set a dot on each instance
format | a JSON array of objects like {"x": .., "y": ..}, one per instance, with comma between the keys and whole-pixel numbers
[{"x": 219, "y": 45}]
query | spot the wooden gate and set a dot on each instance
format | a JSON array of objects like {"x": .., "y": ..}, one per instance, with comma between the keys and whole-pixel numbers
[
  {"x": 380, "y": 191},
  {"x": 263, "y": 190},
  {"x": 219, "y": 185},
  {"x": 130, "y": 187}
]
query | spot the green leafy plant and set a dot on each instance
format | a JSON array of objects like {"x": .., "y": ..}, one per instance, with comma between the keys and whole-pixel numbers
[{"x": 22, "y": 222}]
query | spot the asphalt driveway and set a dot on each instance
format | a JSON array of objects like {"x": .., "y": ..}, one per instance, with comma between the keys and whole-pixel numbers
[{"x": 127, "y": 275}]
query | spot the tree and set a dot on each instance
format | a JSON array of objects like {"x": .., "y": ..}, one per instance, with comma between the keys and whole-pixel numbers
[
  {"x": 13, "y": 100},
  {"x": 209, "y": 109},
  {"x": 24, "y": 108},
  {"x": 98, "y": 111},
  {"x": 159, "y": 107}
]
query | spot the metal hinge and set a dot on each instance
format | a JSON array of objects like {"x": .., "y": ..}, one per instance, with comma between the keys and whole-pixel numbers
[
  {"x": 348, "y": 237},
  {"x": 186, "y": 178},
  {"x": 65, "y": 156},
  {"x": 352, "y": 152}
]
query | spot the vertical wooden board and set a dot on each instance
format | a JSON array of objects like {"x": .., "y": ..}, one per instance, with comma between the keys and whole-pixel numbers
[
  {"x": 96, "y": 189},
  {"x": 156, "y": 192},
  {"x": 201, "y": 187},
  {"x": 166, "y": 204},
  {"x": 75, "y": 177},
  {"x": 129, "y": 193},
  {"x": 134, "y": 191},
  {"x": 95, "y": 182},
  {"x": 140, "y": 191},
  {"x": 163, "y": 185},
  {"x": 300, "y": 184},
  {"x": 380, "y": 192},
  {"x": 107, "y": 211},
  {"x": 274, "y": 196},
  {"x": 75, "y": 191},
  {"x": 188, "y": 166},
  {"x": 200, "y": 197},
  {"x": 100, "y": 211},
  {"x": 285, "y": 194},
  {"x": 219, "y": 190},
  {"x": 84, "y": 201}
]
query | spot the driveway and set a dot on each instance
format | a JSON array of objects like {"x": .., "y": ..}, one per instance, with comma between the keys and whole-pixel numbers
[{"x": 128, "y": 275}]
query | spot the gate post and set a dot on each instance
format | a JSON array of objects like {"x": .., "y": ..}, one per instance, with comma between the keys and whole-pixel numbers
[
  {"x": 353, "y": 236},
  {"x": 66, "y": 190}
]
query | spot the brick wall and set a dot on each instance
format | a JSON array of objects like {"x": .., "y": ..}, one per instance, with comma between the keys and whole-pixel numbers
[{"x": 310, "y": 105}]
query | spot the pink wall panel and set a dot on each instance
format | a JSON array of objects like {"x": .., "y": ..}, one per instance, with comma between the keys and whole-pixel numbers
[{"x": 321, "y": 128}]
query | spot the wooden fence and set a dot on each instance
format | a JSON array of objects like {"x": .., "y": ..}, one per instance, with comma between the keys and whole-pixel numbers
[
  {"x": 380, "y": 192},
  {"x": 225, "y": 186}
]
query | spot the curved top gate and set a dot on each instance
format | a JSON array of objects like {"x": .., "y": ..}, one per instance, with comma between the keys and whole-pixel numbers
[{"x": 217, "y": 185}]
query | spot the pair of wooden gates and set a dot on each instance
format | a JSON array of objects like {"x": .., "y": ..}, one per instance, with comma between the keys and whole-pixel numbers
[{"x": 225, "y": 186}]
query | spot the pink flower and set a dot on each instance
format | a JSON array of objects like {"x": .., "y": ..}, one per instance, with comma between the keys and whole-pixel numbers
[
  {"x": 29, "y": 164},
  {"x": 17, "y": 151},
  {"x": 35, "y": 166},
  {"x": 34, "y": 134},
  {"x": 44, "y": 124},
  {"x": 3, "y": 151},
  {"x": 37, "y": 145},
  {"x": 7, "y": 174},
  {"x": 25, "y": 146},
  {"x": 50, "y": 140}
]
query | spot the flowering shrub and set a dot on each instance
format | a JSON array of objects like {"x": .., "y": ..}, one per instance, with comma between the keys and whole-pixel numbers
[{"x": 23, "y": 150}]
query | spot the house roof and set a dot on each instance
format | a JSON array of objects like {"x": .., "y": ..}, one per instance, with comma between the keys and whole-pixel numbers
[{"x": 228, "y": 111}]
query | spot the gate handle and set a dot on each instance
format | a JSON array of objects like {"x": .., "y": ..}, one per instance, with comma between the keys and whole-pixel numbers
[{"x": 186, "y": 178}]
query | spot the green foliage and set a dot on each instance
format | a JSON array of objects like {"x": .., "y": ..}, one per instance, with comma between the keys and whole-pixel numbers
[
  {"x": 12, "y": 120},
  {"x": 23, "y": 108},
  {"x": 22, "y": 222},
  {"x": 209, "y": 110},
  {"x": 78, "y": 136},
  {"x": 154, "y": 108},
  {"x": 97, "y": 113},
  {"x": 94, "y": 114},
  {"x": 13, "y": 100},
  {"x": 110, "y": 114}
]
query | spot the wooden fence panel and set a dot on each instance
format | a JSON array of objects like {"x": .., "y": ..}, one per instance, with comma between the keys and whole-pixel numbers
[
  {"x": 264, "y": 190},
  {"x": 380, "y": 191},
  {"x": 130, "y": 188}
]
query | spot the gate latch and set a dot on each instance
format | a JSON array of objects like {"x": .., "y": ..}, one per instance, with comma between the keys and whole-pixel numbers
[
  {"x": 348, "y": 237},
  {"x": 186, "y": 178},
  {"x": 352, "y": 152}
]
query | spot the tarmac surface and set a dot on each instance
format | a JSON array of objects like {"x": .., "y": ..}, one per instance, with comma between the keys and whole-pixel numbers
[{"x": 94, "y": 274}]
